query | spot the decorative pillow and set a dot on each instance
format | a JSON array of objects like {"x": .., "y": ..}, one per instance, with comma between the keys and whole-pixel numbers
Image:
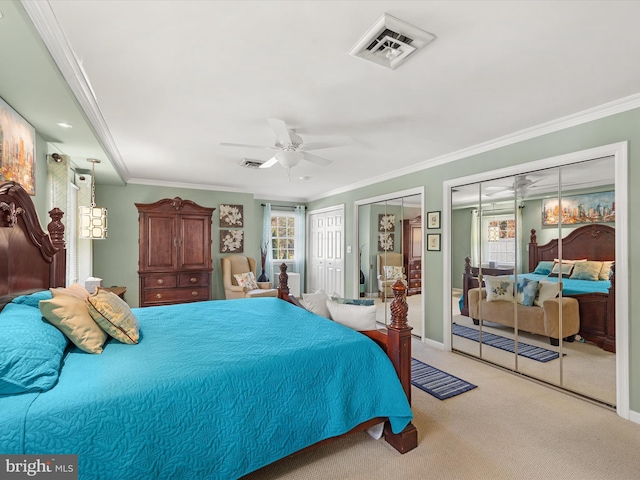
[
  {"x": 543, "y": 268},
  {"x": 566, "y": 268},
  {"x": 358, "y": 317},
  {"x": 498, "y": 288},
  {"x": 527, "y": 291},
  {"x": 71, "y": 316},
  {"x": 546, "y": 291},
  {"x": 247, "y": 280},
  {"x": 75, "y": 290},
  {"x": 605, "y": 273},
  {"x": 114, "y": 316},
  {"x": 32, "y": 300},
  {"x": 317, "y": 303},
  {"x": 586, "y": 271},
  {"x": 30, "y": 351},
  {"x": 392, "y": 273}
]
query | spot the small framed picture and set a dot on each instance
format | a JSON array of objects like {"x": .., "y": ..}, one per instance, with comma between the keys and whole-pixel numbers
[
  {"x": 433, "y": 241},
  {"x": 433, "y": 219}
]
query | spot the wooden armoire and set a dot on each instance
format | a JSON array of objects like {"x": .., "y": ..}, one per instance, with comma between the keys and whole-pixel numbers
[
  {"x": 174, "y": 260},
  {"x": 412, "y": 253}
]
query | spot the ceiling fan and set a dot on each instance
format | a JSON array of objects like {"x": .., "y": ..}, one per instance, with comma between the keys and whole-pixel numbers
[
  {"x": 290, "y": 148},
  {"x": 520, "y": 186}
]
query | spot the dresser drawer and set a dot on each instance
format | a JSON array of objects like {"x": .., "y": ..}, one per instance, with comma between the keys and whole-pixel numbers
[
  {"x": 193, "y": 279},
  {"x": 175, "y": 295},
  {"x": 415, "y": 274},
  {"x": 160, "y": 281}
]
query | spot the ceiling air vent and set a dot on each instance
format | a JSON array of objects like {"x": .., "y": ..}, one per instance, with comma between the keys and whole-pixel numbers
[
  {"x": 248, "y": 163},
  {"x": 390, "y": 42}
]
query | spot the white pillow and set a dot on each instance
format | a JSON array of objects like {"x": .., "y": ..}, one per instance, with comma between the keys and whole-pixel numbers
[
  {"x": 317, "y": 303},
  {"x": 498, "y": 288},
  {"x": 546, "y": 291},
  {"x": 358, "y": 317}
]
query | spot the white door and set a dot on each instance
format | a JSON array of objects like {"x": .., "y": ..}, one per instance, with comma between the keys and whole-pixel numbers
[{"x": 326, "y": 251}]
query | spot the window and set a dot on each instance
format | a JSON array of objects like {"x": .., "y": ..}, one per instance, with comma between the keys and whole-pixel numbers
[
  {"x": 499, "y": 239},
  {"x": 283, "y": 236}
]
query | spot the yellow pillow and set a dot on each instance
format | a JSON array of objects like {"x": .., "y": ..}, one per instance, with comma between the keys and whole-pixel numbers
[
  {"x": 586, "y": 271},
  {"x": 114, "y": 316},
  {"x": 605, "y": 273},
  {"x": 75, "y": 290},
  {"x": 71, "y": 316}
]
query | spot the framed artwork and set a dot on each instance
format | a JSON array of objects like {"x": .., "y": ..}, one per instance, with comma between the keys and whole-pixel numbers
[
  {"x": 231, "y": 215},
  {"x": 231, "y": 241},
  {"x": 17, "y": 149},
  {"x": 433, "y": 219},
  {"x": 385, "y": 242},
  {"x": 386, "y": 222},
  {"x": 587, "y": 208},
  {"x": 433, "y": 242}
]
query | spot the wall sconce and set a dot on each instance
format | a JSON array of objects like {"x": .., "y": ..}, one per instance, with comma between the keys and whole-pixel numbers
[{"x": 93, "y": 220}]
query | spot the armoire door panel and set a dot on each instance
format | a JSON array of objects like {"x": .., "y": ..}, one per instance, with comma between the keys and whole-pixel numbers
[{"x": 162, "y": 243}]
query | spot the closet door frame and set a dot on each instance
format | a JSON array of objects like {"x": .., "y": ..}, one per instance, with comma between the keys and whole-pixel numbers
[{"x": 620, "y": 153}]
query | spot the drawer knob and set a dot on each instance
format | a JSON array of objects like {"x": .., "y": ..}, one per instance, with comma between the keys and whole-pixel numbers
[
  {"x": 193, "y": 279},
  {"x": 158, "y": 295},
  {"x": 194, "y": 293},
  {"x": 160, "y": 281}
]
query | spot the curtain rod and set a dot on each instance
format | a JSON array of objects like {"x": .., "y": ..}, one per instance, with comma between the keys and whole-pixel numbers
[{"x": 284, "y": 206}]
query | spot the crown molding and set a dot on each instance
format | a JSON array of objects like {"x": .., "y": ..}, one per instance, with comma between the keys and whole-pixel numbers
[
  {"x": 605, "y": 110},
  {"x": 46, "y": 24}
]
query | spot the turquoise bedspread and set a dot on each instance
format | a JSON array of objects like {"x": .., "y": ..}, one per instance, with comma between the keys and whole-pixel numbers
[
  {"x": 571, "y": 286},
  {"x": 213, "y": 390}
]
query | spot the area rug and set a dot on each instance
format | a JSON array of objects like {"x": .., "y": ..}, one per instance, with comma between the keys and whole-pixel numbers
[
  {"x": 436, "y": 382},
  {"x": 525, "y": 350}
]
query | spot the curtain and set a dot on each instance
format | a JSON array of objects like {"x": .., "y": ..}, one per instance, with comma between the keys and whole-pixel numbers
[
  {"x": 300, "y": 242},
  {"x": 475, "y": 240},
  {"x": 520, "y": 241},
  {"x": 266, "y": 243}
]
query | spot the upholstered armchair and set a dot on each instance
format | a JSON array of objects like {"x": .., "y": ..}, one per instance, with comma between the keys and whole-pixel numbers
[
  {"x": 387, "y": 278},
  {"x": 237, "y": 265}
]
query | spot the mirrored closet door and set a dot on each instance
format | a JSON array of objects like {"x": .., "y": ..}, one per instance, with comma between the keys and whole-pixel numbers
[
  {"x": 531, "y": 286},
  {"x": 390, "y": 243}
]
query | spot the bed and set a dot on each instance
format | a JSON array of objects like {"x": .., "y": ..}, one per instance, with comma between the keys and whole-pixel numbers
[
  {"x": 596, "y": 299},
  {"x": 213, "y": 389}
]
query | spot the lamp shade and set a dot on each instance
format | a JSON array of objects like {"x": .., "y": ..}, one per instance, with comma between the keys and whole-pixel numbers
[
  {"x": 93, "y": 222},
  {"x": 288, "y": 158}
]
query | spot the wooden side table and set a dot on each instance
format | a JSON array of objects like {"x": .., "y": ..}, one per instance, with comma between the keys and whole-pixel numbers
[{"x": 120, "y": 291}]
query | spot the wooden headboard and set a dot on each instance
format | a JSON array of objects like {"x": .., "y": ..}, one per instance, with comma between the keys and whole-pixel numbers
[
  {"x": 30, "y": 259},
  {"x": 593, "y": 242}
]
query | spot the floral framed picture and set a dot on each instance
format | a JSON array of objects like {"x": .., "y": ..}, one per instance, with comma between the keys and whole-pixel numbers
[
  {"x": 231, "y": 241},
  {"x": 385, "y": 242},
  {"x": 231, "y": 215},
  {"x": 433, "y": 242},
  {"x": 386, "y": 222},
  {"x": 433, "y": 219},
  {"x": 17, "y": 149}
]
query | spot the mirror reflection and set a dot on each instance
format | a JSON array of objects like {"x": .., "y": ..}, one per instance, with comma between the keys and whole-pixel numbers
[{"x": 532, "y": 289}]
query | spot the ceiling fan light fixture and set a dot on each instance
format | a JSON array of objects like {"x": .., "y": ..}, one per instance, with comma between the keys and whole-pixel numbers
[{"x": 288, "y": 158}]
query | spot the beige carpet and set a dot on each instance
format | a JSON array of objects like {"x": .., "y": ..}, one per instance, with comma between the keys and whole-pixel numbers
[{"x": 507, "y": 428}]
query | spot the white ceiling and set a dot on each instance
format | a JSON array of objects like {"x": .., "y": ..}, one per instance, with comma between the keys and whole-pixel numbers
[{"x": 173, "y": 79}]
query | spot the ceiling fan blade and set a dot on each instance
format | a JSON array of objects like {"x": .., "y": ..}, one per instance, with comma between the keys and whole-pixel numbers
[
  {"x": 337, "y": 142},
  {"x": 281, "y": 131},
  {"x": 269, "y": 163},
  {"x": 242, "y": 145},
  {"x": 310, "y": 157}
]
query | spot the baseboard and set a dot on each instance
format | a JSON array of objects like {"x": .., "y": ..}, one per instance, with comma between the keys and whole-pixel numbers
[
  {"x": 634, "y": 416},
  {"x": 433, "y": 343}
]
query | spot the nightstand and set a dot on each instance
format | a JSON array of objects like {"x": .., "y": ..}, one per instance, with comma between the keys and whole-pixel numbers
[{"x": 120, "y": 291}]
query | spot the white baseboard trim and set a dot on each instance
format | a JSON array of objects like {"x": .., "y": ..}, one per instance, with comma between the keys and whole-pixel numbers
[
  {"x": 634, "y": 416},
  {"x": 433, "y": 343}
]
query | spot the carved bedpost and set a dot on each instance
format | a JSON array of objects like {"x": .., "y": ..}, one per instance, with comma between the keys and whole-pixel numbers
[
  {"x": 467, "y": 265},
  {"x": 283, "y": 283},
  {"x": 533, "y": 251},
  {"x": 399, "y": 351},
  {"x": 56, "y": 233}
]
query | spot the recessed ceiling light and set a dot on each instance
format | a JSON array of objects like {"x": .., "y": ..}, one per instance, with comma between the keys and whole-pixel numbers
[
  {"x": 305, "y": 177},
  {"x": 65, "y": 125}
]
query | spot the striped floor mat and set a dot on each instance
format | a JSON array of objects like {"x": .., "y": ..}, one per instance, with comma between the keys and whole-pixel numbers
[
  {"x": 529, "y": 351},
  {"x": 436, "y": 382}
]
